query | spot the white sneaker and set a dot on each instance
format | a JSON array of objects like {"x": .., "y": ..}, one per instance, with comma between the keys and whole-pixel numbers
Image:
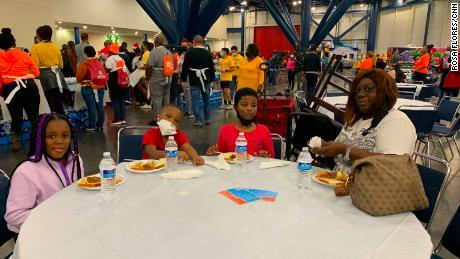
[{"x": 146, "y": 106}]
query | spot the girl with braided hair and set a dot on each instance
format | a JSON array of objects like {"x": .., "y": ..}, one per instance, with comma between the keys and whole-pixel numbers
[{"x": 52, "y": 166}]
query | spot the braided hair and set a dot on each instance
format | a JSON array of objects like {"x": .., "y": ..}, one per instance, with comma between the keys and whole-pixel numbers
[{"x": 37, "y": 144}]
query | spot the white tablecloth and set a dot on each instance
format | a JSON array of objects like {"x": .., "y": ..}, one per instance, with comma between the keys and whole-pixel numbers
[
  {"x": 158, "y": 218},
  {"x": 341, "y": 101}
]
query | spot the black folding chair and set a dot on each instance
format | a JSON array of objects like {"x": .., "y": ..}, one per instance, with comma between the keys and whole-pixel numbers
[
  {"x": 426, "y": 92},
  {"x": 308, "y": 125},
  {"x": 5, "y": 233},
  {"x": 434, "y": 182},
  {"x": 279, "y": 146},
  {"x": 451, "y": 237},
  {"x": 129, "y": 143}
]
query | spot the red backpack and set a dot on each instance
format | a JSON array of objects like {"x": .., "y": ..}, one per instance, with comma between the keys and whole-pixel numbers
[
  {"x": 168, "y": 66},
  {"x": 122, "y": 75},
  {"x": 97, "y": 72}
]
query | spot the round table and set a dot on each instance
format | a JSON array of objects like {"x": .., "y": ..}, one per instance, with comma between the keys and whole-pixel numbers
[{"x": 152, "y": 217}]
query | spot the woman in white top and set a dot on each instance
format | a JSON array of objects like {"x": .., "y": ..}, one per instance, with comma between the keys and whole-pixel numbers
[{"x": 371, "y": 125}]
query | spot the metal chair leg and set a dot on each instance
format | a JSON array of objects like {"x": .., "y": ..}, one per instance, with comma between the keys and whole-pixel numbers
[
  {"x": 456, "y": 145},
  {"x": 450, "y": 147},
  {"x": 442, "y": 149}
]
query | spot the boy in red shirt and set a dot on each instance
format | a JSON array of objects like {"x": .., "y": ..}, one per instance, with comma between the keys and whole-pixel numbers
[
  {"x": 155, "y": 139},
  {"x": 258, "y": 136}
]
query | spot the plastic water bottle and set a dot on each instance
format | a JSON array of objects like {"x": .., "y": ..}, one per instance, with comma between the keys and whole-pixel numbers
[
  {"x": 241, "y": 149},
  {"x": 171, "y": 154},
  {"x": 107, "y": 168},
  {"x": 305, "y": 168}
]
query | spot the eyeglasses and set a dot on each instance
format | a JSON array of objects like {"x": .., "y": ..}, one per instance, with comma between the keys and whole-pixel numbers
[{"x": 367, "y": 89}]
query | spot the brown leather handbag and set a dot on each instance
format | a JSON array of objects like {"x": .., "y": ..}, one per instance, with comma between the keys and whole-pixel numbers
[{"x": 387, "y": 184}]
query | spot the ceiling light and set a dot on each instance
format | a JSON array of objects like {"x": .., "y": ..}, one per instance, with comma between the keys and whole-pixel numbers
[
  {"x": 294, "y": 3},
  {"x": 232, "y": 8},
  {"x": 136, "y": 33},
  {"x": 299, "y": 2},
  {"x": 59, "y": 22},
  {"x": 242, "y": 10},
  {"x": 313, "y": 8},
  {"x": 85, "y": 27},
  {"x": 244, "y": 3},
  {"x": 112, "y": 28},
  {"x": 361, "y": 5}
]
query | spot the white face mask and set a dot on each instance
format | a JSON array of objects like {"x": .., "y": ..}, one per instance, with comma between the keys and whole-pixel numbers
[
  {"x": 222, "y": 54},
  {"x": 234, "y": 53},
  {"x": 166, "y": 128}
]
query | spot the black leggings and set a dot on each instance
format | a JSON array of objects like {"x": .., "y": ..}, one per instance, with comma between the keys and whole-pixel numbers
[
  {"x": 55, "y": 100},
  {"x": 27, "y": 99}
]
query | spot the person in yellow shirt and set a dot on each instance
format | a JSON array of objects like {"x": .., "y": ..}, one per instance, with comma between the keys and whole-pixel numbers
[
  {"x": 237, "y": 59},
  {"x": 250, "y": 75},
  {"x": 48, "y": 58},
  {"x": 226, "y": 69}
]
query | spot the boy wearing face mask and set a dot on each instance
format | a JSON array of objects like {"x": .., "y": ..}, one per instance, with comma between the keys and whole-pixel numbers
[
  {"x": 258, "y": 136},
  {"x": 226, "y": 68},
  {"x": 155, "y": 139}
]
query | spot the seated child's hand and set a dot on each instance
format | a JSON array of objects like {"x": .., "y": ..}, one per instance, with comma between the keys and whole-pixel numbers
[
  {"x": 262, "y": 153},
  {"x": 198, "y": 160},
  {"x": 183, "y": 156},
  {"x": 212, "y": 150}
]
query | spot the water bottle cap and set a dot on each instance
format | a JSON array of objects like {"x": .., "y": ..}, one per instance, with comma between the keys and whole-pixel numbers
[
  {"x": 171, "y": 137},
  {"x": 305, "y": 149},
  {"x": 106, "y": 154},
  {"x": 241, "y": 134}
]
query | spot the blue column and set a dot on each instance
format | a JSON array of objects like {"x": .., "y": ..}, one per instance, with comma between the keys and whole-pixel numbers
[
  {"x": 76, "y": 34},
  {"x": 427, "y": 24},
  {"x": 326, "y": 15},
  {"x": 243, "y": 31},
  {"x": 306, "y": 23},
  {"x": 372, "y": 27},
  {"x": 145, "y": 37}
]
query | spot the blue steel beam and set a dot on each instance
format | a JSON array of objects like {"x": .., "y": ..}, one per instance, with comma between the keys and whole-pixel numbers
[
  {"x": 193, "y": 19},
  {"x": 287, "y": 17},
  {"x": 210, "y": 12},
  {"x": 305, "y": 25},
  {"x": 293, "y": 38},
  {"x": 332, "y": 21},
  {"x": 427, "y": 24},
  {"x": 317, "y": 24},
  {"x": 372, "y": 26},
  {"x": 76, "y": 34},
  {"x": 162, "y": 17},
  {"x": 405, "y": 4},
  {"x": 173, "y": 7},
  {"x": 182, "y": 17},
  {"x": 326, "y": 15},
  {"x": 353, "y": 26}
]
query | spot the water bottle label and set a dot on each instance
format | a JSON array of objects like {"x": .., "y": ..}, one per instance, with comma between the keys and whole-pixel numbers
[
  {"x": 171, "y": 153},
  {"x": 241, "y": 149},
  {"x": 108, "y": 173},
  {"x": 304, "y": 166}
]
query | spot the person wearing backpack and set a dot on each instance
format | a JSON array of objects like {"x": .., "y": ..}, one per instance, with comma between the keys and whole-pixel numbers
[
  {"x": 159, "y": 72},
  {"x": 118, "y": 84},
  {"x": 93, "y": 78}
]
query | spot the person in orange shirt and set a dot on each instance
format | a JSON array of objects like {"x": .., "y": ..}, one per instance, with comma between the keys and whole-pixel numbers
[
  {"x": 250, "y": 75},
  {"x": 17, "y": 85},
  {"x": 368, "y": 63},
  {"x": 421, "y": 65}
]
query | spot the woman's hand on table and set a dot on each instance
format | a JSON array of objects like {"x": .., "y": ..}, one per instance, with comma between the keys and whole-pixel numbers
[
  {"x": 198, "y": 160},
  {"x": 183, "y": 156},
  {"x": 330, "y": 148},
  {"x": 262, "y": 153},
  {"x": 212, "y": 150}
]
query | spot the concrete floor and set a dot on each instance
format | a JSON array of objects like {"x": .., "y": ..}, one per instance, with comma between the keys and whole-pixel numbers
[{"x": 92, "y": 145}]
